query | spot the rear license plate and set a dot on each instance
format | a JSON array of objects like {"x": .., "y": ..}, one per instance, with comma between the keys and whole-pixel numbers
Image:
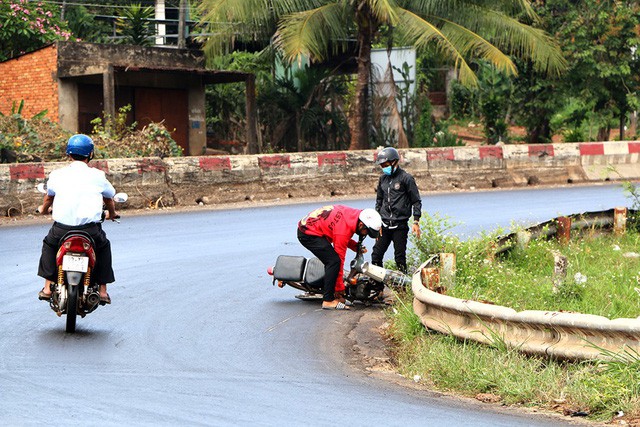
[{"x": 75, "y": 263}]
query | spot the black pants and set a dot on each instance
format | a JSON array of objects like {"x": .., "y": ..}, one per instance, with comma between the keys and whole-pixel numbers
[
  {"x": 399, "y": 237},
  {"x": 323, "y": 250},
  {"x": 102, "y": 272}
]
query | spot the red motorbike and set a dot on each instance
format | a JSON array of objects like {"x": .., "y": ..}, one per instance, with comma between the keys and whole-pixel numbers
[{"x": 74, "y": 293}]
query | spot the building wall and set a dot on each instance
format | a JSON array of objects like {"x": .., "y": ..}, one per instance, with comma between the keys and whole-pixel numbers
[{"x": 32, "y": 78}]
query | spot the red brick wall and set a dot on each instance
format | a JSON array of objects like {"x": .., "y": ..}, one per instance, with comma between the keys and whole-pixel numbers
[{"x": 32, "y": 78}]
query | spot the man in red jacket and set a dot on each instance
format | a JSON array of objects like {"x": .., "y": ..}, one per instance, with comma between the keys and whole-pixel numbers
[{"x": 327, "y": 233}]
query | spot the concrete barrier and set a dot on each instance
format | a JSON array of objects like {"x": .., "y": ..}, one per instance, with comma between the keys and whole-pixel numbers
[
  {"x": 224, "y": 179},
  {"x": 561, "y": 335}
]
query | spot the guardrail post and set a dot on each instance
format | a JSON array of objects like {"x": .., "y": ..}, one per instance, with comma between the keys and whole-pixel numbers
[
  {"x": 619, "y": 220},
  {"x": 560, "y": 264},
  {"x": 430, "y": 277},
  {"x": 448, "y": 269},
  {"x": 523, "y": 238},
  {"x": 563, "y": 234}
]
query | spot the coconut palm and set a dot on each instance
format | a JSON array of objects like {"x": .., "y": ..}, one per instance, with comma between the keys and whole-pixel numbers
[{"x": 463, "y": 30}]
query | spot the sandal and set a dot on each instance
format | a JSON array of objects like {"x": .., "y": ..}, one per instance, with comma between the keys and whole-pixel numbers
[
  {"x": 105, "y": 300},
  {"x": 44, "y": 297},
  {"x": 338, "y": 306}
]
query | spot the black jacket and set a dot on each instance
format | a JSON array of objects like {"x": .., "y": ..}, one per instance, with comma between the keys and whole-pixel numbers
[{"x": 397, "y": 198}]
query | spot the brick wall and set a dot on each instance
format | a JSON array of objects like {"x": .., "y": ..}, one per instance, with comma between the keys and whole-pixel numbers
[{"x": 31, "y": 78}]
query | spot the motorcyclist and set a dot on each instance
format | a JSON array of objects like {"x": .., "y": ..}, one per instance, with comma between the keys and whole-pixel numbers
[
  {"x": 327, "y": 232},
  {"x": 75, "y": 197},
  {"x": 397, "y": 199}
]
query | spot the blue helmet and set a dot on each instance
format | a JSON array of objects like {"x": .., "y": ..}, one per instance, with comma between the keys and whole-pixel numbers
[{"x": 80, "y": 145}]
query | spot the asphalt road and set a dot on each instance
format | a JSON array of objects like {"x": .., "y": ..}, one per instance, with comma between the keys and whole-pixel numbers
[{"x": 198, "y": 335}]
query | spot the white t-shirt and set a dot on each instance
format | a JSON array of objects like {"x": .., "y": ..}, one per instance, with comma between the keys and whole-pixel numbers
[{"x": 78, "y": 191}]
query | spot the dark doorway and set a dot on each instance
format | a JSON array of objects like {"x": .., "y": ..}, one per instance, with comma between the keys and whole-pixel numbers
[
  {"x": 91, "y": 104},
  {"x": 170, "y": 105}
]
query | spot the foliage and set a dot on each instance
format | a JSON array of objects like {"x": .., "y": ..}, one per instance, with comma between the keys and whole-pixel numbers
[
  {"x": 601, "y": 85},
  {"x": 463, "y": 101},
  {"x": 84, "y": 26},
  {"x": 33, "y": 139},
  {"x": 26, "y": 26},
  {"x": 604, "y": 67},
  {"x": 468, "y": 368},
  {"x": 135, "y": 27},
  {"x": 599, "y": 278},
  {"x": 113, "y": 138},
  {"x": 490, "y": 102},
  {"x": 226, "y": 103},
  {"x": 304, "y": 110},
  {"x": 494, "y": 98},
  {"x": 303, "y": 106},
  {"x": 319, "y": 29},
  {"x": 38, "y": 139},
  {"x": 522, "y": 279}
]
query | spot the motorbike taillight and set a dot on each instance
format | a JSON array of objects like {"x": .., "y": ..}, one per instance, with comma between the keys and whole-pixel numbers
[{"x": 76, "y": 244}]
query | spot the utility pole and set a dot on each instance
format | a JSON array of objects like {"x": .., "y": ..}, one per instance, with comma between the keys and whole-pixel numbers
[{"x": 182, "y": 43}]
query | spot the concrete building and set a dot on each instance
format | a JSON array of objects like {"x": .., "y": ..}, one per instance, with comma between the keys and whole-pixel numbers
[{"x": 77, "y": 82}]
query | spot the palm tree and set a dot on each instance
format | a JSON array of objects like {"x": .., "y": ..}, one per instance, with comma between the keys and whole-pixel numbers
[{"x": 462, "y": 30}]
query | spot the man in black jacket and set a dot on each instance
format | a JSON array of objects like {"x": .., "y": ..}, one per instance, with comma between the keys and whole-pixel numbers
[{"x": 397, "y": 200}]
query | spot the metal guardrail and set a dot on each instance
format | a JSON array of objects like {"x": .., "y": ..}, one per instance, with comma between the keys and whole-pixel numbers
[{"x": 561, "y": 335}]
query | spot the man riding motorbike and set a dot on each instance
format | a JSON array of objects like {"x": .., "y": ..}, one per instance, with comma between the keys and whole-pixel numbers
[
  {"x": 76, "y": 194},
  {"x": 327, "y": 233}
]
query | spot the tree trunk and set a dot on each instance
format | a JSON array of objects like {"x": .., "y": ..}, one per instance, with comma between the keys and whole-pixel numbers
[
  {"x": 603, "y": 133},
  {"x": 299, "y": 141},
  {"x": 359, "y": 120}
]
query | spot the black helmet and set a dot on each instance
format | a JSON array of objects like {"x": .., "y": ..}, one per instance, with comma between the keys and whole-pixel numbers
[{"x": 387, "y": 154}]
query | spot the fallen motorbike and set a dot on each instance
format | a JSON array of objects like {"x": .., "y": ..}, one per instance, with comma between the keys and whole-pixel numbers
[
  {"x": 308, "y": 275},
  {"x": 75, "y": 293}
]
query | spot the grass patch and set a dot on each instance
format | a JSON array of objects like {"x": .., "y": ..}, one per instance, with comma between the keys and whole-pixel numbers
[
  {"x": 599, "y": 279},
  {"x": 468, "y": 368}
]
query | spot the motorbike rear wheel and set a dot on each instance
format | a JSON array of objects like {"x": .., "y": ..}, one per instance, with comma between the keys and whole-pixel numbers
[{"x": 72, "y": 308}]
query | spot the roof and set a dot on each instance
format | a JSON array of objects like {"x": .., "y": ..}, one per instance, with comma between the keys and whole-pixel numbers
[{"x": 208, "y": 76}]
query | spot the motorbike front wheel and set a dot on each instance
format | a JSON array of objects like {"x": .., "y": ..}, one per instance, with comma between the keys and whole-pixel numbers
[{"x": 72, "y": 308}]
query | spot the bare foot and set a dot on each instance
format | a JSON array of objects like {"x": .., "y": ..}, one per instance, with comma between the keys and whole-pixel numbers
[{"x": 334, "y": 305}]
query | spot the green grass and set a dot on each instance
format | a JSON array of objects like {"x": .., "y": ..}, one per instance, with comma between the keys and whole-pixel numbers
[
  {"x": 469, "y": 368},
  {"x": 600, "y": 279},
  {"x": 523, "y": 279}
]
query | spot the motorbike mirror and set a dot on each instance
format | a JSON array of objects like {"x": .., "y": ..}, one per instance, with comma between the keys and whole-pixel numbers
[
  {"x": 120, "y": 197},
  {"x": 42, "y": 187}
]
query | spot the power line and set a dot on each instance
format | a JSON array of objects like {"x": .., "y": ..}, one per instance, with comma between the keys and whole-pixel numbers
[{"x": 66, "y": 3}]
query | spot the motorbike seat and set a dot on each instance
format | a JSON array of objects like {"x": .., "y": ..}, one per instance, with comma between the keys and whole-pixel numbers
[{"x": 77, "y": 233}]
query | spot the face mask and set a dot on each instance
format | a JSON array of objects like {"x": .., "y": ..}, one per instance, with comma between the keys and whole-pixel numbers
[{"x": 387, "y": 170}]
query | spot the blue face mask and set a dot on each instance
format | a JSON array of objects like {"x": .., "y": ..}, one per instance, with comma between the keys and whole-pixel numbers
[{"x": 387, "y": 170}]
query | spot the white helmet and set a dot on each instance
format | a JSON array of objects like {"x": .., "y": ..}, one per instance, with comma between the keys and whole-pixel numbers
[{"x": 371, "y": 219}]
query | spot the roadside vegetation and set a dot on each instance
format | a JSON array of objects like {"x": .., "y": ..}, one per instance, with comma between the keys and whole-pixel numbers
[
  {"x": 602, "y": 278},
  {"x": 38, "y": 139}
]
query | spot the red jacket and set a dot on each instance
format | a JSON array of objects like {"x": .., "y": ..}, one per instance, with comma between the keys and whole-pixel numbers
[{"x": 337, "y": 223}]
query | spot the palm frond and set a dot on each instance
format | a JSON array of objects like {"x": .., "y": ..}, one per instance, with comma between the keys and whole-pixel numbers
[
  {"x": 226, "y": 21},
  {"x": 419, "y": 32},
  {"x": 385, "y": 11},
  {"x": 451, "y": 9},
  {"x": 309, "y": 33}
]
